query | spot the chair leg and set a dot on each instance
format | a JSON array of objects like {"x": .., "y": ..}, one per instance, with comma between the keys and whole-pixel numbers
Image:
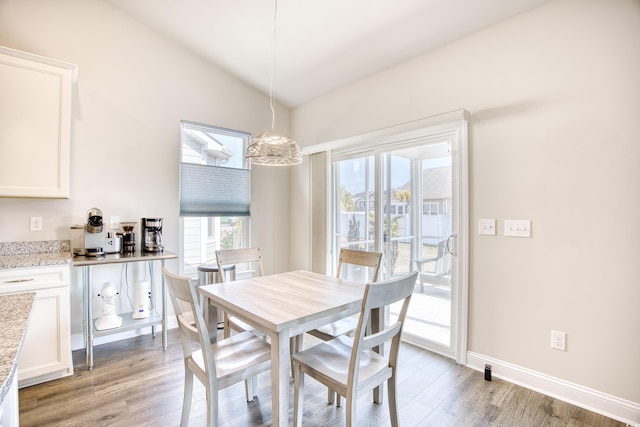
[
  {"x": 351, "y": 410},
  {"x": 212, "y": 405},
  {"x": 227, "y": 326},
  {"x": 187, "y": 396},
  {"x": 250, "y": 387},
  {"x": 298, "y": 396},
  {"x": 295, "y": 345},
  {"x": 393, "y": 401},
  {"x": 332, "y": 397}
]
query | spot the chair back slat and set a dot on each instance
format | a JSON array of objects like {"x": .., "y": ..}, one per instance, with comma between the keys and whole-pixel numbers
[
  {"x": 370, "y": 260},
  {"x": 250, "y": 256}
]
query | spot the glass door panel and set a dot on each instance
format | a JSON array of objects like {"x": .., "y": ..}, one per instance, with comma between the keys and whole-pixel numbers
[
  {"x": 423, "y": 238},
  {"x": 355, "y": 207}
]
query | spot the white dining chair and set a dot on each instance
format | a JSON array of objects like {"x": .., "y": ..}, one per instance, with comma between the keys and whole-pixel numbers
[
  {"x": 238, "y": 358},
  {"x": 350, "y": 366},
  {"x": 368, "y": 265},
  {"x": 248, "y": 262}
]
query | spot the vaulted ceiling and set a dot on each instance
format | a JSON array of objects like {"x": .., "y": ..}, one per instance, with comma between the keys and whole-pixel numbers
[{"x": 321, "y": 45}]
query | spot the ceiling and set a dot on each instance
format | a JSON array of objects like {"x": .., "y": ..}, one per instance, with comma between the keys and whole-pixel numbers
[{"x": 321, "y": 45}]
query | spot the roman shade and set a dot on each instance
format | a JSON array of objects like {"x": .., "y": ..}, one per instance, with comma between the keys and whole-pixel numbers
[{"x": 214, "y": 190}]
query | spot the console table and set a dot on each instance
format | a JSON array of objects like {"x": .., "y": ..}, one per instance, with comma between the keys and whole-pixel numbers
[{"x": 128, "y": 324}]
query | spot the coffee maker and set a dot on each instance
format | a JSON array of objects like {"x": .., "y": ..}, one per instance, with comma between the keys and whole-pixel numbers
[
  {"x": 128, "y": 237},
  {"x": 152, "y": 235},
  {"x": 94, "y": 233}
]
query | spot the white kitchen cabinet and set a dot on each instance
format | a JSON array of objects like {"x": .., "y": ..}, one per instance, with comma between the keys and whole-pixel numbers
[
  {"x": 35, "y": 125},
  {"x": 46, "y": 350},
  {"x": 9, "y": 411}
]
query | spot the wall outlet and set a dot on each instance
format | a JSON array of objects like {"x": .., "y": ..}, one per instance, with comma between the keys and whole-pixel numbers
[
  {"x": 35, "y": 223},
  {"x": 559, "y": 340}
]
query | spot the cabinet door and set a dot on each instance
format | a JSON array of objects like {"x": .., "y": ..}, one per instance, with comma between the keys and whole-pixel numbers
[
  {"x": 46, "y": 348},
  {"x": 35, "y": 122}
]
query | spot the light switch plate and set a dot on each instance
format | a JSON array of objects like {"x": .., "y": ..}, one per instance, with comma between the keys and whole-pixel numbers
[
  {"x": 114, "y": 222},
  {"x": 487, "y": 227},
  {"x": 517, "y": 227}
]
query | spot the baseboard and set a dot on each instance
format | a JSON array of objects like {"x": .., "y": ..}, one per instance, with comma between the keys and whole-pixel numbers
[{"x": 610, "y": 406}]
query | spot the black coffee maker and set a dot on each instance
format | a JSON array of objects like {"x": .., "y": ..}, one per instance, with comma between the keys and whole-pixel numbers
[{"x": 152, "y": 235}]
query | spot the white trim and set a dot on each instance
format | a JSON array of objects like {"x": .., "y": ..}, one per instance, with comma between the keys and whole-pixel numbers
[
  {"x": 391, "y": 133},
  {"x": 593, "y": 400}
]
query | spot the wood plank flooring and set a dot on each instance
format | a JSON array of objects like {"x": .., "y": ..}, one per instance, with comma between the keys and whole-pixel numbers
[{"x": 134, "y": 383}]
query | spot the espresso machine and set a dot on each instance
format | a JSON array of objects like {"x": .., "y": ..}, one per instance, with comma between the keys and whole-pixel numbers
[
  {"x": 152, "y": 235},
  {"x": 94, "y": 233}
]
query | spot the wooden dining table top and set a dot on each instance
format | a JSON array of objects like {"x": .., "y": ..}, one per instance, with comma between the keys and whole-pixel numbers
[{"x": 287, "y": 300}]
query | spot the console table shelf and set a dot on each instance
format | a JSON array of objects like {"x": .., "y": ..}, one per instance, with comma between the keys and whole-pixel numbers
[{"x": 128, "y": 324}]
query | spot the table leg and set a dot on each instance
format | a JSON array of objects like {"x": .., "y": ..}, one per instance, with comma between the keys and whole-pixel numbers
[
  {"x": 152, "y": 296},
  {"x": 280, "y": 378},
  {"x": 163, "y": 290},
  {"x": 88, "y": 305}
]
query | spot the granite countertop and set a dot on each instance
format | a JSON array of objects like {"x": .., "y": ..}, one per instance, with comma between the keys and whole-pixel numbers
[
  {"x": 15, "y": 310},
  {"x": 34, "y": 254}
]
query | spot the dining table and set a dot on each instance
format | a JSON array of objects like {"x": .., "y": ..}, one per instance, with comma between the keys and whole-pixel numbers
[{"x": 286, "y": 305}]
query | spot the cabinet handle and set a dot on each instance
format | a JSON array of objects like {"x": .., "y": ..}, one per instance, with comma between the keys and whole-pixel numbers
[{"x": 19, "y": 280}]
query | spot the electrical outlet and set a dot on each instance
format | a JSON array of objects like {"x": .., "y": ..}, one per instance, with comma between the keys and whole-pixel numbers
[
  {"x": 35, "y": 223},
  {"x": 559, "y": 340}
]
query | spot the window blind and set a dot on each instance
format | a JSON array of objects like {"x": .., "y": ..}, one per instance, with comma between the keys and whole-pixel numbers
[{"x": 214, "y": 190}]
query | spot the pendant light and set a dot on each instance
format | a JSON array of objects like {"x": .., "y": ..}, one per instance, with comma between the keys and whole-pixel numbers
[{"x": 272, "y": 147}]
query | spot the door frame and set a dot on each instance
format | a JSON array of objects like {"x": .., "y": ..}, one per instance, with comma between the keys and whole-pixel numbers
[
  {"x": 457, "y": 133},
  {"x": 321, "y": 203}
]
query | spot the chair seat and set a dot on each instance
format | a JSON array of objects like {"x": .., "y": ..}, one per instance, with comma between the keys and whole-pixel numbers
[
  {"x": 238, "y": 355},
  {"x": 330, "y": 359},
  {"x": 332, "y": 330}
]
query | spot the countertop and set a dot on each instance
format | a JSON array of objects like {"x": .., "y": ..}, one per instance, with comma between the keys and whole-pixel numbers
[
  {"x": 34, "y": 254},
  {"x": 79, "y": 261},
  {"x": 15, "y": 310}
]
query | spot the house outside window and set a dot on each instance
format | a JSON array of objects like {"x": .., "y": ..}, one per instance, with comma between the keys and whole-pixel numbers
[
  {"x": 213, "y": 175},
  {"x": 430, "y": 208}
]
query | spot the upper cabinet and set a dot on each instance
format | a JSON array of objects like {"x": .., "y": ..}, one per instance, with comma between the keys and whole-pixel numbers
[{"x": 35, "y": 125}]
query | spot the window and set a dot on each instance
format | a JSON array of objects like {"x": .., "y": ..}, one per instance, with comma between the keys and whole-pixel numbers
[
  {"x": 215, "y": 184},
  {"x": 430, "y": 208}
]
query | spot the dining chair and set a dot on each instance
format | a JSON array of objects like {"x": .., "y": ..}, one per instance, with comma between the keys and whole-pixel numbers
[
  {"x": 349, "y": 365},
  {"x": 238, "y": 358},
  {"x": 248, "y": 261},
  {"x": 369, "y": 263}
]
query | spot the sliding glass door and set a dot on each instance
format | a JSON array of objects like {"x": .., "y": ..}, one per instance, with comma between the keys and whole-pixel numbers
[{"x": 402, "y": 199}]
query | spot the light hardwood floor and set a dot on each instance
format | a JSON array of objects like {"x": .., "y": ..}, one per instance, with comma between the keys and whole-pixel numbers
[{"x": 134, "y": 383}]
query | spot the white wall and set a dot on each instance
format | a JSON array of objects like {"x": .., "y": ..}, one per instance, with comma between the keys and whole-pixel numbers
[
  {"x": 554, "y": 96},
  {"x": 133, "y": 89}
]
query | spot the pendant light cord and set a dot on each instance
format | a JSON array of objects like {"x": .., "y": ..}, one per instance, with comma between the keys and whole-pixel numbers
[{"x": 273, "y": 66}]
